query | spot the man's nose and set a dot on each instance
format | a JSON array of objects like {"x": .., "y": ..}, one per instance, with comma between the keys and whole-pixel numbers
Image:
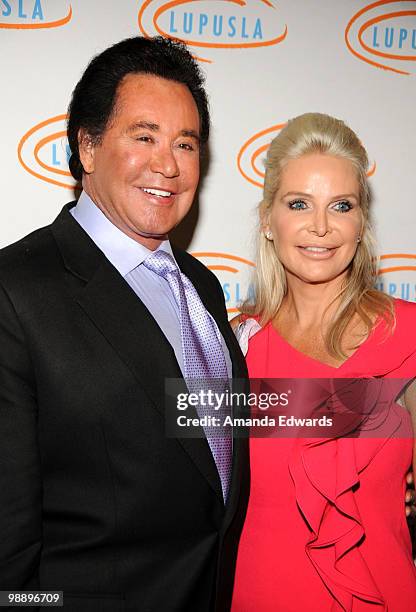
[{"x": 163, "y": 161}]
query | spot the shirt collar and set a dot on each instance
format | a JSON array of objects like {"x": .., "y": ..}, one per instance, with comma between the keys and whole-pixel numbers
[{"x": 122, "y": 251}]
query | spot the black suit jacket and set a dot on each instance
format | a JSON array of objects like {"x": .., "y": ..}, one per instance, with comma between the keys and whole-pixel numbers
[{"x": 95, "y": 499}]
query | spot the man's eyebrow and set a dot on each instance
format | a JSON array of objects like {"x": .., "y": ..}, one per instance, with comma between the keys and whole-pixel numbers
[
  {"x": 191, "y": 134},
  {"x": 147, "y": 125}
]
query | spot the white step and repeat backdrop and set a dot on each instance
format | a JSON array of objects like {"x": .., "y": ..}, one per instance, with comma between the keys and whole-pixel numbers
[{"x": 265, "y": 61}]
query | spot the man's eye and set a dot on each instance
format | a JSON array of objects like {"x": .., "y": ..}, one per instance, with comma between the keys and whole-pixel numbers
[
  {"x": 186, "y": 146},
  {"x": 144, "y": 138},
  {"x": 343, "y": 206},
  {"x": 297, "y": 205}
]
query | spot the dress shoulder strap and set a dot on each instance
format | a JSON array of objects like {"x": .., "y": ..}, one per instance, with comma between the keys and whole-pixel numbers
[{"x": 245, "y": 330}]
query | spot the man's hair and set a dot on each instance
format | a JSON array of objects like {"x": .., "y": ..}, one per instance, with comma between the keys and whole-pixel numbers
[{"x": 93, "y": 100}]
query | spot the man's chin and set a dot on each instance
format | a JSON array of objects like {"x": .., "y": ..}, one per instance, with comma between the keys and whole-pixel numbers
[{"x": 153, "y": 235}]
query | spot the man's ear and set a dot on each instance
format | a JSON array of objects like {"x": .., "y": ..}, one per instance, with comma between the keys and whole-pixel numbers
[{"x": 86, "y": 150}]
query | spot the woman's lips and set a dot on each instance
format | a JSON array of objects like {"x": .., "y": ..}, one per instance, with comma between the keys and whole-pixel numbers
[{"x": 315, "y": 252}]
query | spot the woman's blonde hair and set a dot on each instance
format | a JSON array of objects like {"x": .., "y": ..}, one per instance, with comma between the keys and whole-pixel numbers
[{"x": 306, "y": 134}]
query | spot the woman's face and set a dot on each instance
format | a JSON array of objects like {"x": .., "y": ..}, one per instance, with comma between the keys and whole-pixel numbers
[{"x": 316, "y": 219}]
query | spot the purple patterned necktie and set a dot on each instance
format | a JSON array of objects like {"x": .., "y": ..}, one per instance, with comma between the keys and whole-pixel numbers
[{"x": 203, "y": 356}]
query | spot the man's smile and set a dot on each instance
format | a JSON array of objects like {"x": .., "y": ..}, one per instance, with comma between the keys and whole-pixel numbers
[{"x": 157, "y": 192}]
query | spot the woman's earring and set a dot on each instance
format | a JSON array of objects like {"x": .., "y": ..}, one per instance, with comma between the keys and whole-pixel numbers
[
  {"x": 268, "y": 235},
  {"x": 359, "y": 239}
]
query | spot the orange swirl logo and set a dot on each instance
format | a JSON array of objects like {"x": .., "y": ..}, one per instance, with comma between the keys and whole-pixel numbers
[
  {"x": 397, "y": 275},
  {"x": 250, "y": 159},
  {"x": 383, "y": 34},
  {"x": 253, "y": 152},
  {"x": 208, "y": 25},
  {"x": 34, "y": 14},
  {"x": 44, "y": 152},
  {"x": 234, "y": 274}
]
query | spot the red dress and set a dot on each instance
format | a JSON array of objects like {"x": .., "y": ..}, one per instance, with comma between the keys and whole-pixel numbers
[{"x": 325, "y": 529}]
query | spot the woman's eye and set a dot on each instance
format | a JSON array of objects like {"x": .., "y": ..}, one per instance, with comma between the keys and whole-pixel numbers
[
  {"x": 297, "y": 205},
  {"x": 343, "y": 206}
]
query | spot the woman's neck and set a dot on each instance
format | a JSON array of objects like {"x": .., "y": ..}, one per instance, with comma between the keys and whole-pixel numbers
[{"x": 310, "y": 305}]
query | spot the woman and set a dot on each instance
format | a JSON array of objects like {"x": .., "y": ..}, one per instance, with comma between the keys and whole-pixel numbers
[{"x": 325, "y": 527}]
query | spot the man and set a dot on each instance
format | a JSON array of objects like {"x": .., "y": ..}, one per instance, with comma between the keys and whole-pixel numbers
[{"x": 95, "y": 499}]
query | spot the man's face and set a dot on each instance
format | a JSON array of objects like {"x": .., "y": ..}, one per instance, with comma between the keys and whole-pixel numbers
[{"x": 144, "y": 173}]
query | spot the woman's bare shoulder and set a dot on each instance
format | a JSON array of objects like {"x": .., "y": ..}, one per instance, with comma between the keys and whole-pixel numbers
[{"x": 235, "y": 321}]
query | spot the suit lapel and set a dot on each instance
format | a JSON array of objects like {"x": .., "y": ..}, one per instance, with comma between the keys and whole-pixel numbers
[
  {"x": 128, "y": 326},
  {"x": 131, "y": 330}
]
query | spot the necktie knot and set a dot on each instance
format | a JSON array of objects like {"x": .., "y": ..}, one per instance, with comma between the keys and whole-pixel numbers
[{"x": 161, "y": 263}]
